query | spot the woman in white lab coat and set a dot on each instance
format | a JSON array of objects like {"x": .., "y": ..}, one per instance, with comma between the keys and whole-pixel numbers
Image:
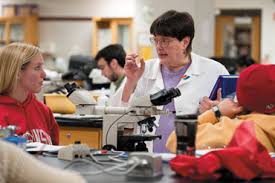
[{"x": 176, "y": 66}]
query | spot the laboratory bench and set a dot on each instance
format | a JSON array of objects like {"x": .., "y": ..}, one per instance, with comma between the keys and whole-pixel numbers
[
  {"x": 168, "y": 175},
  {"x": 85, "y": 130}
]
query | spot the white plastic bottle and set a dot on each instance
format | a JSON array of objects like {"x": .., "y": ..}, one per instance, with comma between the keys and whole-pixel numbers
[{"x": 103, "y": 99}]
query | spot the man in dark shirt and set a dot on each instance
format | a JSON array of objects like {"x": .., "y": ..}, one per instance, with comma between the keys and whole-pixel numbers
[{"x": 111, "y": 60}]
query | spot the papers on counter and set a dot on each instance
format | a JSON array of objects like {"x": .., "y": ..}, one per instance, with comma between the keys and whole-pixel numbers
[
  {"x": 37, "y": 147},
  {"x": 76, "y": 116}
]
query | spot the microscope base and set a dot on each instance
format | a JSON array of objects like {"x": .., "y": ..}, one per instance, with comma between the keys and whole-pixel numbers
[{"x": 135, "y": 142}]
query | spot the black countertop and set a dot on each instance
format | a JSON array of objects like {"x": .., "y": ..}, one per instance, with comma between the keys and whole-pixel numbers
[
  {"x": 80, "y": 121},
  {"x": 168, "y": 175}
]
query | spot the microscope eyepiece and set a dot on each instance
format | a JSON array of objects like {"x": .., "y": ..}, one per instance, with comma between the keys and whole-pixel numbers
[
  {"x": 173, "y": 92},
  {"x": 164, "y": 96},
  {"x": 70, "y": 87}
]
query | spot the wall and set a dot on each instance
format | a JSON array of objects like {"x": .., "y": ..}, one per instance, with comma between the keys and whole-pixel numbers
[
  {"x": 268, "y": 22},
  {"x": 202, "y": 12},
  {"x": 65, "y": 37},
  {"x": 76, "y": 36},
  {"x": 84, "y": 8}
]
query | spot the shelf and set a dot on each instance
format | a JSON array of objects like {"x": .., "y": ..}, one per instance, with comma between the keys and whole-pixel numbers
[
  {"x": 243, "y": 44},
  {"x": 19, "y": 29},
  {"x": 111, "y": 30}
]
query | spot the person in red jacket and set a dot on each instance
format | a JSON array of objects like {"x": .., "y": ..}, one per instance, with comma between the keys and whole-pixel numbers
[{"x": 21, "y": 76}]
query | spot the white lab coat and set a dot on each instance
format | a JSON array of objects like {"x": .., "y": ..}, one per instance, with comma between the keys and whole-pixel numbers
[{"x": 203, "y": 74}]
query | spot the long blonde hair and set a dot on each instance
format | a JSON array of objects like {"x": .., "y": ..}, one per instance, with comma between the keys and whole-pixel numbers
[{"x": 13, "y": 58}]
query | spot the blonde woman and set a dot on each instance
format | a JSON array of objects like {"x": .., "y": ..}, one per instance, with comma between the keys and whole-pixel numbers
[{"x": 21, "y": 76}]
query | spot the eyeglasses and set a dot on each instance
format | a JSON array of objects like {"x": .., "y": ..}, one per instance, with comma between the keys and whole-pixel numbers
[{"x": 162, "y": 42}]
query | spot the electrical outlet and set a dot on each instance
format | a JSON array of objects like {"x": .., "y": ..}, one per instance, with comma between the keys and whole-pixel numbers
[
  {"x": 150, "y": 165},
  {"x": 74, "y": 151}
]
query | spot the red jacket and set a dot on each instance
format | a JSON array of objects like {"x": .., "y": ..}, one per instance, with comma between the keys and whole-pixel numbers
[{"x": 34, "y": 119}]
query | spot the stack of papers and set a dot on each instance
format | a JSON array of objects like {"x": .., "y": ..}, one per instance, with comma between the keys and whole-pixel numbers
[
  {"x": 76, "y": 116},
  {"x": 38, "y": 147}
]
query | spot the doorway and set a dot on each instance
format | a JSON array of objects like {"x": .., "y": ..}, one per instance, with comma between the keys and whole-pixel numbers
[{"x": 237, "y": 33}]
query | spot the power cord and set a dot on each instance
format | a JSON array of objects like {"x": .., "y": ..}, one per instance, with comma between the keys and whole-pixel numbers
[
  {"x": 76, "y": 161},
  {"x": 104, "y": 162},
  {"x": 139, "y": 164},
  {"x": 93, "y": 159},
  {"x": 133, "y": 162},
  {"x": 100, "y": 162},
  {"x": 116, "y": 159}
]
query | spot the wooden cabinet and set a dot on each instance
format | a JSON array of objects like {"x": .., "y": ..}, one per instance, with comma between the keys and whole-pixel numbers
[
  {"x": 91, "y": 136},
  {"x": 19, "y": 29},
  {"x": 111, "y": 30}
]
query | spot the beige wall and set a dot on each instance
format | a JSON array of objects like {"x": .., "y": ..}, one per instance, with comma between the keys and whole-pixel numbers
[
  {"x": 66, "y": 37},
  {"x": 63, "y": 38},
  {"x": 202, "y": 12}
]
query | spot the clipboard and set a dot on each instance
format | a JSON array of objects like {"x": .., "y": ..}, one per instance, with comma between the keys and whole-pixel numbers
[{"x": 228, "y": 83}]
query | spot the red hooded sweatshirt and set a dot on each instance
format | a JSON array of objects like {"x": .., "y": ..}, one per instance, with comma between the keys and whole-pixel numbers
[{"x": 34, "y": 119}]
